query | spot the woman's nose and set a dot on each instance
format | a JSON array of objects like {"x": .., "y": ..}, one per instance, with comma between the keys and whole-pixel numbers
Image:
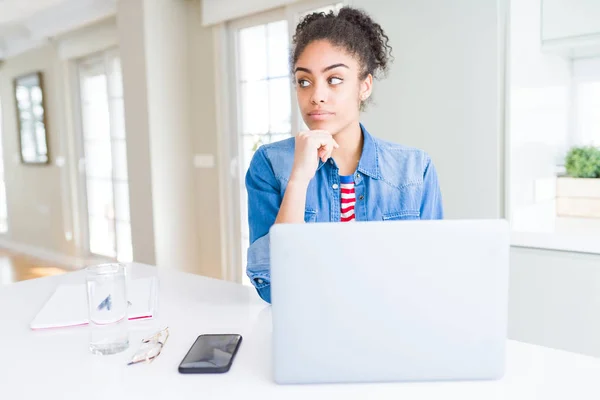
[{"x": 319, "y": 94}]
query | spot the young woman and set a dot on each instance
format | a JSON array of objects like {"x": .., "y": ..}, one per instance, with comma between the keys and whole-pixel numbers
[{"x": 336, "y": 171}]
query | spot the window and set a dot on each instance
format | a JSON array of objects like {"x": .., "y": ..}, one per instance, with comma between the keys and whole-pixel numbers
[
  {"x": 549, "y": 209},
  {"x": 266, "y": 103},
  {"x": 264, "y": 98},
  {"x": 3, "y": 208},
  {"x": 31, "y": 118},
  {"x": 103, "y": 147}
]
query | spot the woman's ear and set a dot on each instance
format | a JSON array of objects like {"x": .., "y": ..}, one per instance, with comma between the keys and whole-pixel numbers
[{"x": 366, "y": 87}]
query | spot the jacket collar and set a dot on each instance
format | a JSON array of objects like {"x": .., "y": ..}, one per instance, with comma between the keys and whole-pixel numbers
[{"x": 369, "y": 160}]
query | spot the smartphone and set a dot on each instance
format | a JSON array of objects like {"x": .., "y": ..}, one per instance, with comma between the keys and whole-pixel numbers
[{"x": 211, "y": 354}]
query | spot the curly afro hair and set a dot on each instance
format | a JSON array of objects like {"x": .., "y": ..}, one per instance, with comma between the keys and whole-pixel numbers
[{"x": 352, "y": 30}]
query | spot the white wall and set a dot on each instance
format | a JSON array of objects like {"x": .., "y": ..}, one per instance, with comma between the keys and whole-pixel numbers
[
  {"x": 165, "y": 93},
  {"x": 169, "y": 118},
  {"x": 443, "y": 95},
  {"x": 205, "y": 140},
  {"x": 168, "y": 70},
  {"x": 131, "y": 40},
  {"x": 36, "y": 194}
]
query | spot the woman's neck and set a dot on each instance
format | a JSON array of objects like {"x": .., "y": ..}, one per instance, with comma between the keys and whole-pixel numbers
[{"x": 348, "y": 154}]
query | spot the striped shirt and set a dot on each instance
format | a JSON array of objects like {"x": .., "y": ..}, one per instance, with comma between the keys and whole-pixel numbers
[{"x": 348, "y": 198}]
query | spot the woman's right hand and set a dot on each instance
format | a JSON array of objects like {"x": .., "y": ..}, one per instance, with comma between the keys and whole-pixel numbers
[{"x": 310, "y": 147}]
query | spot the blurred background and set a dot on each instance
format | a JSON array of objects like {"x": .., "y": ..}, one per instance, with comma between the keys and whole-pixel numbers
[{"x": 127, "y": 127}]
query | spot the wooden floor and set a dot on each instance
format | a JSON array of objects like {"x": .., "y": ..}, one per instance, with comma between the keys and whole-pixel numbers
[{"x": 17, "y": 267}]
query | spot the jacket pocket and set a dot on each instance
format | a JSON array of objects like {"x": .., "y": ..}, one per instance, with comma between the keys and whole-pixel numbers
[
  {"x": 310, "y": 215},
  {"x": 402, "y": 215}
]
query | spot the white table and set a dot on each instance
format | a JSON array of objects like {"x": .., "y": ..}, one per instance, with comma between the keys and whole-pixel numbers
[{"x": 56, "y": 364}]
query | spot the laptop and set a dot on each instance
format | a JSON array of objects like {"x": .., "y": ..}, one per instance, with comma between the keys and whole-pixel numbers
[{"x": 389, "y": 301}]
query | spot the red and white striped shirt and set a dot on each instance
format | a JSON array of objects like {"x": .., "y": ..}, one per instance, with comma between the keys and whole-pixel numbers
[{"x": 348, "y": 198}]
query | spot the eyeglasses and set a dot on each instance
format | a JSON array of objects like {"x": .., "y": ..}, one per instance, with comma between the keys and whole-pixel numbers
[{"x": 150, "y": 347}]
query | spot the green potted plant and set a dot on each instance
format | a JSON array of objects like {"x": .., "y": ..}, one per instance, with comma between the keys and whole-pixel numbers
[{"x": 578, "y": 193}]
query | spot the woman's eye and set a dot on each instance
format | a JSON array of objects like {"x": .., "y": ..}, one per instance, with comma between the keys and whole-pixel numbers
[
  {"x": 303, "y": 83},
  {"x": 335, "y": 81}
]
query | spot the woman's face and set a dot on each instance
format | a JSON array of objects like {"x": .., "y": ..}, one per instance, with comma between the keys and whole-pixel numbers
[{"x": 328, "y": 87}]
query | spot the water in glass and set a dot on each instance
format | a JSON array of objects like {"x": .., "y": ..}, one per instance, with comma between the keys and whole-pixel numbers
[{"x": 107, "y": 305}]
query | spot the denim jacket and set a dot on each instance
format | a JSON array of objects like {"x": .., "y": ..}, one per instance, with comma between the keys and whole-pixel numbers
[{"x": 392, "y": 182}]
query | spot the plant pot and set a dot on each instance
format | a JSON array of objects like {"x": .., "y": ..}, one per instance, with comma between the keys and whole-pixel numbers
[{"x": 578, "y": 197}]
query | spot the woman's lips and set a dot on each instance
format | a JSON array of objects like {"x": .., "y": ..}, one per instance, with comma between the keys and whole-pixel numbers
[{"x": 320, "y": 115}]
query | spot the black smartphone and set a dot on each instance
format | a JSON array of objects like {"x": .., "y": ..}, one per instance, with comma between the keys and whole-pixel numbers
[{"x": 211, "y": 354}]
